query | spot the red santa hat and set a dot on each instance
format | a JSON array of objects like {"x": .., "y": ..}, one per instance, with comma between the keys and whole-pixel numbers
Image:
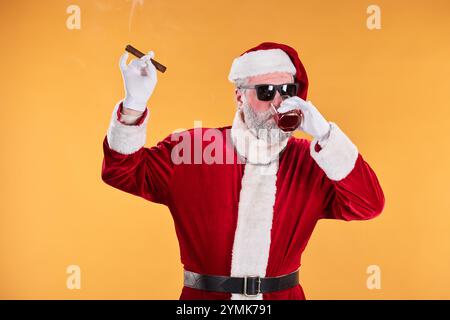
[{"x": 269, "y": 57}]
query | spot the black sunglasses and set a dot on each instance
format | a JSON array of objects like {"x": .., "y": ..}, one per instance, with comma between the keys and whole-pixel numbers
[{"x": 266, "y": 92}]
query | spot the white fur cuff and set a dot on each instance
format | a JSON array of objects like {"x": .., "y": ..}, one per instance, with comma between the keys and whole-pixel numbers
[
  {"x": 338, "y": 157},
  {"x": 126, "y": 139}
]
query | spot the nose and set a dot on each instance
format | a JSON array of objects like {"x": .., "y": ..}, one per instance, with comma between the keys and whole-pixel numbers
[{"x": 277, "y": 99}]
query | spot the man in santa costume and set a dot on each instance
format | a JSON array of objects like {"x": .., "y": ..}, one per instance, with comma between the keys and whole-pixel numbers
[{"x": 242, "y": 225}]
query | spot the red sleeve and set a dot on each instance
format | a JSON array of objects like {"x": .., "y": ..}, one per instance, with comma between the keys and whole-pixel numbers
[
  {"x": 139, "y": 121},
  {"x": 356, "y": 197},
  {"x": 145, "y": 173}
]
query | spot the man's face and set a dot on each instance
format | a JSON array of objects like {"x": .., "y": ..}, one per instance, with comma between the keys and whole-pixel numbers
[
  {"x": 270, "y": 78},
  {"x": 257, "y": 113}
]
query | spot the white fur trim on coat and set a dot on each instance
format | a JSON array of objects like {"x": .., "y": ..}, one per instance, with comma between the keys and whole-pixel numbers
[
  {"x": 260, "y": 62},
  {"x": 252, "y": 237},
  {"x": 253, "y": 231},
  {"x": 338, "y": 155},
  {"x": 126, "y": 139}
]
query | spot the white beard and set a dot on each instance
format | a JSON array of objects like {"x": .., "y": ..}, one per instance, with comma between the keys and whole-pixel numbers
[{"x": 263, "y": 125}]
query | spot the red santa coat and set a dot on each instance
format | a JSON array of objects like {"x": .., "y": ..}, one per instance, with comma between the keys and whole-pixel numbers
[{"x": 220, "y": 232}]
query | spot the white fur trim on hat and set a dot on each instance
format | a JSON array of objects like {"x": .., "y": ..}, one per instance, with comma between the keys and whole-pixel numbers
[{"x": 260, "y": 62}]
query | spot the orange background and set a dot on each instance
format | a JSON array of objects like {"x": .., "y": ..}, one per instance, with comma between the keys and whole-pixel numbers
[{"x": 387, "y": 89}]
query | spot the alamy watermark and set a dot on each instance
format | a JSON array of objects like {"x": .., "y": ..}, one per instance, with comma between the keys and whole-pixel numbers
[{"x": 74, "y": 279}]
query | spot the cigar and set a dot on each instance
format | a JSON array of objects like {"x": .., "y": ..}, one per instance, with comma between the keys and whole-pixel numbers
[{"x": 139, "y": 54}]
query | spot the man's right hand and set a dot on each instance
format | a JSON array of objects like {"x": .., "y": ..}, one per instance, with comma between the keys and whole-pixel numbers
[{"x": 140, "y": 79}]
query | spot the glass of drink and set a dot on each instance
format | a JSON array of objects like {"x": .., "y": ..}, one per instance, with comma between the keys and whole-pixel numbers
[{"x": 287, "y": 121}]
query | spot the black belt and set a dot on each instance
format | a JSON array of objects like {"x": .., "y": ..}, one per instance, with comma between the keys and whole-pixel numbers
[{"x": 249, "y": 285}]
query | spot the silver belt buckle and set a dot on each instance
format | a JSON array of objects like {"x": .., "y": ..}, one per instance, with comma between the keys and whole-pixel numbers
[{"x": 258, "y": 290}]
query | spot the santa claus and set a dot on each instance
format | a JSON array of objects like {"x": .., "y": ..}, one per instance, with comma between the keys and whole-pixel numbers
[{"x": 242, "y": 225}]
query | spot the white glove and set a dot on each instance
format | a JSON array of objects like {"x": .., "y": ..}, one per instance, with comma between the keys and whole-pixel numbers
[
  {"x": 139, "y": 78},
  {"x": 313, "y": 122}
]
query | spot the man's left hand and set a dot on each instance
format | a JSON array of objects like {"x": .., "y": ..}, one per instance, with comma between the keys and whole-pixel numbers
[{"x": 313, "y": 122}]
